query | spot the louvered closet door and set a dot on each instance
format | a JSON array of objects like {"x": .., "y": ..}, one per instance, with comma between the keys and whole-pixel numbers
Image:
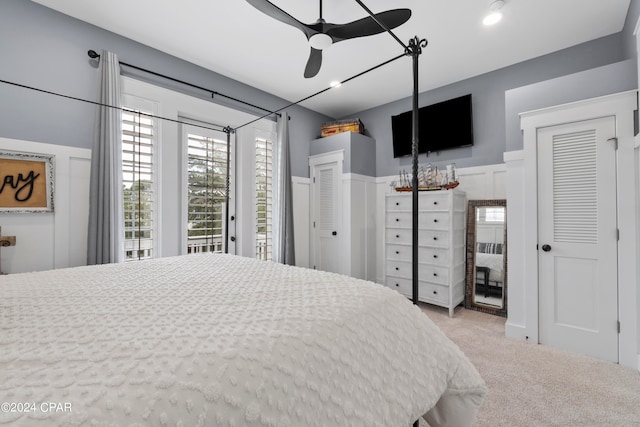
[
  {"x": 326, "y": 217},
  {"x": 578, "y": 281}
]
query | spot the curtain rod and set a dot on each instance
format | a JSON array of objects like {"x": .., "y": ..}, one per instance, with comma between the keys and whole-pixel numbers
[
  {"x": 74, "y": 98},
  {"x": 93, "y": 54}
]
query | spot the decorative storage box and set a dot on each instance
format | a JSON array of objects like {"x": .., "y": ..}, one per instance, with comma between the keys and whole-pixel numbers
[{"x": 349, "y": 125}]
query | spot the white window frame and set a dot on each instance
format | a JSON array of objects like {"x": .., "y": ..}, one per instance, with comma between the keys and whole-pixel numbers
[
  {"x": 171, "y": 189},
  {"x": 199, "y": 128}
]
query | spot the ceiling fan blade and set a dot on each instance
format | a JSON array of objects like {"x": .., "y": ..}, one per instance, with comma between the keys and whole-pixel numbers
[
  {"x": 368, "y": 26},
  {"x": 275, "y": 12},
  {"x": 313, "y": 64}
]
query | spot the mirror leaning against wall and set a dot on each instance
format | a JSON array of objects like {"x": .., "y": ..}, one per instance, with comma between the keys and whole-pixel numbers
[{"x": 486, "y": 283}]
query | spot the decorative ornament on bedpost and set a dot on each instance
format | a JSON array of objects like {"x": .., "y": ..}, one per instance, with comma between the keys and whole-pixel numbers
[{"x": 6, "y": 241}]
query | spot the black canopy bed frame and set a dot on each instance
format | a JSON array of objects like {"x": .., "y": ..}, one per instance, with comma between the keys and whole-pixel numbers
[{"x": 412, "y": 49}]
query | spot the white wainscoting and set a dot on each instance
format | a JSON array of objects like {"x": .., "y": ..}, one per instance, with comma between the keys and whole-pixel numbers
[
  {"x": 301, "y": 215},
  {"x": 359, "y": 222},
  {"x": 51, "y": 240}
]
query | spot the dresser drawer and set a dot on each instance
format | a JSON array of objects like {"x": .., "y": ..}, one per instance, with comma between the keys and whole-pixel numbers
[
  {"x": 434, "y": 293},
  {"x": 398, "y": 235},
  {"x": 426, "y": 255},
  {"x": 402, "y": 285},
  {"x": 399, "y": 202},
  {"x": 426, "y": 272},
  {"x": 433, "y": 274},
  {"x": 426, "y": 291},
  {"x": 434, "y": 201},
  {"x": 399, "y": 219},
  {"x": 433, "y": 220},
  {"x": 429, "y": 255},
  {"x": 399, "y": 268},
  {"x": 398, "y": 252},
  {"x": 433, "y": 238}
]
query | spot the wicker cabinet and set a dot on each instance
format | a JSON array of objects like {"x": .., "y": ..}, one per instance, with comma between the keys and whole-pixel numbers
[{"x": 441, "y": 245}]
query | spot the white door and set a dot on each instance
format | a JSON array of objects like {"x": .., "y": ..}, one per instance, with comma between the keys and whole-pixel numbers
[
  {"x": 577, "y": 237},
  {"x": 326, "y": 216}
]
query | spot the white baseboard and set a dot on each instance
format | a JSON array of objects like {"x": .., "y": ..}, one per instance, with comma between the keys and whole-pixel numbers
[{"x": 518, "y": 332}]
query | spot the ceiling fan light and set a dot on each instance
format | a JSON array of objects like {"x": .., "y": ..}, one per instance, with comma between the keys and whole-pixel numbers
[
  {"x": 320, "y": 41},
  {"x": 492, "y": 18}
]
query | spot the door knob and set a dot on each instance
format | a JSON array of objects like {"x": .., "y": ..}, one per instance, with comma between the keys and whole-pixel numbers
[{"x": 546, "y": 248}]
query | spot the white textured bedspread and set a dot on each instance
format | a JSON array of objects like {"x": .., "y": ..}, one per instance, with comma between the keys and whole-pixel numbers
[{"x": 221, "y": 340}]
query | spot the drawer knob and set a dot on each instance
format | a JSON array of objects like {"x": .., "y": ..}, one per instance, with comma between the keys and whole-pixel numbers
[
  {"x": 397, "y": 204},
  {"x": 435, "y": 237},
  {"x": 435, "y": 220},
  {"x": 435, "y": 274},
  {"x": 435, "y": 292},
  {"x": 397, "y": 269},
  {"x": 397, "y": 284},
  {"x": 435, "y": 256},
  {"x": 397, "y": 219},
  {"x": 397, "y": 236},
  {"x": 435, "y": 203},
  {"x": 397, "y": 252}
]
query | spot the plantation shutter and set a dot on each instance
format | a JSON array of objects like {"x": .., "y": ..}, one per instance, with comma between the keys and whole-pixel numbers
[
  {"x": 138, "y": 184},
  {"x": 206, "y": 187},
  {"x": 263, "y": 198}
]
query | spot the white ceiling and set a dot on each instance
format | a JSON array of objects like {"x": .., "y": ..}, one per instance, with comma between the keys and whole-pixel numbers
[{"x": 236, "y": 40}]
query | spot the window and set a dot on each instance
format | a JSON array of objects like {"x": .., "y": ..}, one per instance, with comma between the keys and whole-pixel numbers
[
  {"x": 263, "y": 197},
  {"x": 490, "y": 214},
  {"x": 206, "y": 193},
  {"x": 138, "y": 184}
]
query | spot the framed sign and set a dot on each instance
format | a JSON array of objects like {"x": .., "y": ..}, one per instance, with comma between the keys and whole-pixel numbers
[{"x": 26, "y": 182}]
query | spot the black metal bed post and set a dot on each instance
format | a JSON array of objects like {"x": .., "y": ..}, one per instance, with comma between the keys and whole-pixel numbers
[
  {"x": 414, "y": 50},
  {"x": 228, "y": 130}
]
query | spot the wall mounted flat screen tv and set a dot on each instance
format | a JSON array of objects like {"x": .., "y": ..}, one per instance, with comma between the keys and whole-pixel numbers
[{"x": 441, "y": 126}]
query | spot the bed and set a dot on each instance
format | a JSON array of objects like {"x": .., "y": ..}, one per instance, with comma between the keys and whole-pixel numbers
[{"x": 223, "y": 340}]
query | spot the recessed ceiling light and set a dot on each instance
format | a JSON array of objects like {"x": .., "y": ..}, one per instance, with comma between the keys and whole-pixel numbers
[
  {"x": 335, "y": 84},
  {"x": 494, "y": 15}
]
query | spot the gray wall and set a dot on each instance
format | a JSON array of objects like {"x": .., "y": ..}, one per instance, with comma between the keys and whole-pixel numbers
[
  {"x": 45, "y": 49},
  {"x": 628, "y": 39},
  {"x": 608, "y": 79},
  {"x": 488, "y": 91},
  {"x": 359, "y": 151}
]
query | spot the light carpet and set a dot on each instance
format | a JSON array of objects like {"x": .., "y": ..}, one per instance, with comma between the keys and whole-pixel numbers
[{"x": 536, "y": 385}]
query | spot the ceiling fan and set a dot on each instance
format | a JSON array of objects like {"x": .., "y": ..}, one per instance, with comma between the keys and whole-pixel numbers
[{"x": 322, "y": 34}]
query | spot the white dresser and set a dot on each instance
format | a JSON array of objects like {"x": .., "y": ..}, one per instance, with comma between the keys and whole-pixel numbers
[{"x": 441, "y": 245}]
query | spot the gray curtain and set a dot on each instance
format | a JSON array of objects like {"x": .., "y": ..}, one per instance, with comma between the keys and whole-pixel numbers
[
  {"x": 105, "y": 239},
  {"x": 283, "y": 247}
]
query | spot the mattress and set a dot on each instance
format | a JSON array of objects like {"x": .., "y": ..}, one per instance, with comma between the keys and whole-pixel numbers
[{"x": 222, "y": 340}]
